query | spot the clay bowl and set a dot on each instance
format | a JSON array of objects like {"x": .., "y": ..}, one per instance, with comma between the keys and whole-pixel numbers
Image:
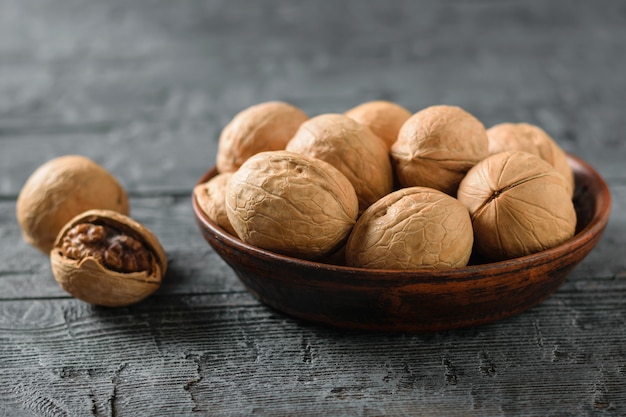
[{"x": 416, "y": 300}]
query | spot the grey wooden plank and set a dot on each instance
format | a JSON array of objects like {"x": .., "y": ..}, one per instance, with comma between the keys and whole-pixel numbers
[
  {"x": 151, "y": 110},
  {"x": 217, "y": 355},
  {"x": 218, "y": 352},
  {"x": 144, "y": 86}
]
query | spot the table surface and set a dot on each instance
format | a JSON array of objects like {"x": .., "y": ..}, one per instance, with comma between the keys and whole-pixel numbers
[{"x": 144, "y": 87}]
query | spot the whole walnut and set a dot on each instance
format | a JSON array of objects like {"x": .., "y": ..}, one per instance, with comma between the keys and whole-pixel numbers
[
  {"x": 384, "y": 118},
  {"x": 291, "y": 204},
  {"x": 211, "y": 196},
  {"x": 519, "y": 205},
  {"x": 351, "y": 148},
  {"x": 106, "y": 258},
  {"x": 59, "y": 190},
  {"x": 412, "y": 228},
  {"x": 532, "y": 139},
  {"x": 263, "y": 127},
  {"x": 437, "y": 146}
]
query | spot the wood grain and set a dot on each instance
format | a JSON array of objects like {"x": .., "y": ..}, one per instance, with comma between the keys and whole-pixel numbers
[
  {"x": 185, "y": 71},
  {"x": 219, "y": 354},
  {"x": 144, "y": 87}
]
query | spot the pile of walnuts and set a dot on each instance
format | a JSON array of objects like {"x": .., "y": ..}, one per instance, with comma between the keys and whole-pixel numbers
[{"x": 379, "y": 187}]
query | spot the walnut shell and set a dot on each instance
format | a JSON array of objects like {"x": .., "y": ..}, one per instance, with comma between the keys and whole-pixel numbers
[
  {"x": 263, "y": 127},
  {"x": 533, "y": 139},
  {"x": 291, "y": 204},
  {"x": 437, "y": 146},
  {"x": 351, "y": 148},
  {"x": 59, "y": 190},
  {"x": 412, "y": 228},
  {"x": 106, "y": 258},
  {"x": 211, "y": 199},
  {"x": 384, "y": 118},
  {"x": 519, "y": 205}
]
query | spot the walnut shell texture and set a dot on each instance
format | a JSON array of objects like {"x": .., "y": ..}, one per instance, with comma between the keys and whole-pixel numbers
[
  {"x": 533, "y": 139},
  {"x": 384, "y": 118},
  {"x": 263, "y": 127},
  {"x": 291, "y": 204},
  {"x": 61, "y": 189},
  {"x": 437, "y": 146},
  {"x": 412, "y": 228},
  {"x": 519, "y": 205},
  {"x": 105, "y": 258},
  {"x": 350, "y": 147},
  {"x": 211, "y": 199}
]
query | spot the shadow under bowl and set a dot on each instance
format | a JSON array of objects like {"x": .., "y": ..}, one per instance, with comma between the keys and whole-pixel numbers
[{"x": 414, "y": 300}]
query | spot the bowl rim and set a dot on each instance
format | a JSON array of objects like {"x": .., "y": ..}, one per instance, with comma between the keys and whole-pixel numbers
[{"x": 472, "y": 272}]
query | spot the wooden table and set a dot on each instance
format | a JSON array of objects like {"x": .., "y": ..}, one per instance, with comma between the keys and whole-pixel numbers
[{"x": 143, "y": 87}]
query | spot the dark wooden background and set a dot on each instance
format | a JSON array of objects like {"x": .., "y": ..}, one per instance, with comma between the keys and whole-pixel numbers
[{"x": 144, "y": 87}]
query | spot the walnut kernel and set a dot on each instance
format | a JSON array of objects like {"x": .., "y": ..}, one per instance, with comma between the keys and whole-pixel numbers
[
  {"x": 115, "y": 250},
  {"x": 105, "y": 258}
]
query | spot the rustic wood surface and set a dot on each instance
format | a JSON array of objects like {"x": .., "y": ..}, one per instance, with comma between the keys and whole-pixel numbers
[{"x": 144, "y": 87}]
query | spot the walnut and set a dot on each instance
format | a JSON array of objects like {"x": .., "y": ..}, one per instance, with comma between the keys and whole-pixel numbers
[
  {"x": 533, "y": 139},
  {"x": 210, "y": 196},
  {"x": 263, "y": 127},
  {"x": 106, "y": 258},
  {"x": 115, "y": 250},
  {"x": 291, "y": 204},
  {"x": 351, "y": 148},
  {"x": 437, "y": 146},
  {"x": 412, "y": 228},
  {"x": 384, "y": 118},
  {"x": 59, "y": 190},
  {"x": 519, "y": 205}
]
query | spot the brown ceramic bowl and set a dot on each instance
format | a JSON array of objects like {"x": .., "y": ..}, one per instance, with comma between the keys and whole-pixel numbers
[{"x": 416, "y": 300}]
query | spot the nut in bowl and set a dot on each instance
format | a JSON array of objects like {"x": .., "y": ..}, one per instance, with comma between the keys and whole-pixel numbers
[{"x": 414, "y": 300}]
